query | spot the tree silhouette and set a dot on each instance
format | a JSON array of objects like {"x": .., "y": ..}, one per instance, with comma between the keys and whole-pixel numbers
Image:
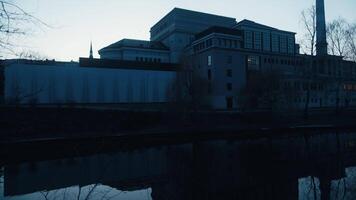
[
  {"x": 308, "y": 20},
  {"x": 15, "y": 22}
]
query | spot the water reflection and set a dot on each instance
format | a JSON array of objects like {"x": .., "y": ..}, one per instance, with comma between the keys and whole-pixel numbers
[{"x": 320, "y": 166}]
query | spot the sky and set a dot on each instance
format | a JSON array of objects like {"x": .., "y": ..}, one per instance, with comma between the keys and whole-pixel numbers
[{"x": 74, "y": 23}]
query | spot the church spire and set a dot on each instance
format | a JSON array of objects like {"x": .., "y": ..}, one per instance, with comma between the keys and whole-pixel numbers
[{"x": 91, "y": 50}]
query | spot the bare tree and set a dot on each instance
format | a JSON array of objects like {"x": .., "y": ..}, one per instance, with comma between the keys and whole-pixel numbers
[
  {"x": 190, "y": 89},
  {"x": 15, "y": 22},
  {"x": 266, "y": 90},
  {"x": 337, "y": 34},
  {"x": 31, "y": 55},
  {"x": 308, "y": 20},
  {"x": 351, "y": 41}
]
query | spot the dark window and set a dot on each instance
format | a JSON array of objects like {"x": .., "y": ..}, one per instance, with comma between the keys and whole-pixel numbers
[
  {"x": 229, "y": 86},
  {"x": 209, "y": 74},
  {"x": 229, "y": 72},
  {"x": 229, "y": 59}
]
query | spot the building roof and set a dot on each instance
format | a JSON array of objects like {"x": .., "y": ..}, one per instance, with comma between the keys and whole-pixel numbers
[
  {"x": 218, "y": 29},
  {"x": 142, "y": 44},
  {"x": 126, "y": 64},
  {"x": 193, "y": 14},
  {"x": 253, "y": 24}
]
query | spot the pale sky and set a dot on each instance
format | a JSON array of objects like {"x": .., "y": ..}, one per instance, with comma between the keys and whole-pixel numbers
[{"x": 77, "y": 22}]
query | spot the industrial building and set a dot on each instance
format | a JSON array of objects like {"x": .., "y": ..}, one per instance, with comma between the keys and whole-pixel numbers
[{"x": 225, "y": 55}]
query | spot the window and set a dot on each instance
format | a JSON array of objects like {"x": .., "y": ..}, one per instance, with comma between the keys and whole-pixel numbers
[
  {"x": 283, "y": 44},
  {"x": 257, "y": 40},
  {"x": 253, "y": 62},
  {"x": 229, "y": 59},
  {"x": 248, "y": 39},
  {"x": 209, "y": 74},
  {"x": 209, "y": 43},
  {"x": 209, "y": 88},
  {"x": 291, "y": 45},
  {"x": 229, "y": 73},
  {"x": 275, "y": 43},
  {"x": 209, "y": 61},
  {"x": 229, "y": 86},
  {"x": 266, "y": 42}
]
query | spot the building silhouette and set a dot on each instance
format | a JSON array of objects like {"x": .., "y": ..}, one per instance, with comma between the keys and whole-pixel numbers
[{"x": 226, "y": 57}]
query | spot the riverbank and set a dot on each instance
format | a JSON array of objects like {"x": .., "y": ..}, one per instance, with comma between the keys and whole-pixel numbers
[{"x": 51, "y": 123}]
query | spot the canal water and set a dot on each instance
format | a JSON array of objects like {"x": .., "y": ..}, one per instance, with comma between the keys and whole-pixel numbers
[{"x": 307, "y": 166}]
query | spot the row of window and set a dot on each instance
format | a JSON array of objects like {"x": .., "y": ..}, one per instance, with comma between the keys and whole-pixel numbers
[
  {"x": 269, "y": 42},
  {"x": 321, "y": 100},
  {"x": 349, "y": 87},
  {"x": 282, "y": 61},
  {"x": 143, "y": 59},
  {"x": 222, "y": 42},
  {"x": 297, "y": 85}
]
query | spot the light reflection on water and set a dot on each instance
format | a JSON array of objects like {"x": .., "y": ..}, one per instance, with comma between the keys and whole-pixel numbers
[
  {"x": 94, "y": 191},
  {"x": 1, "y": 182},
  {"x": 344, "y": 188},
  {"x": 279, "y": 168}
]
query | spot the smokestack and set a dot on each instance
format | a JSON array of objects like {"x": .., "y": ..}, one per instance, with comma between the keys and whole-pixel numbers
[{"x": 321, "y": 44}]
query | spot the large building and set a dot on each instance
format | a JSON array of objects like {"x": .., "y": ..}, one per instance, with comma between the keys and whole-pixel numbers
[{"x": 224, "y": 54}]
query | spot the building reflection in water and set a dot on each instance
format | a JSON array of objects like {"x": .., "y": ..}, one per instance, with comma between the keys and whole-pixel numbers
[{"x": 319, "y": 166}]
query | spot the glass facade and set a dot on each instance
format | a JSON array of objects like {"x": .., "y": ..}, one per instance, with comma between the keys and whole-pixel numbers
[
  {"x": 275, "y": 43},
  {"x": 248, "y": 39},
  {"x": 266, "y": 41},
  {"x": 257, "y": 40}
]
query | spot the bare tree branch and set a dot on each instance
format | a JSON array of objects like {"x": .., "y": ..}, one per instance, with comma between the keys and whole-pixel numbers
[
  {"x": 308, "y": 19},
  {"x": 15, "y": 22}
]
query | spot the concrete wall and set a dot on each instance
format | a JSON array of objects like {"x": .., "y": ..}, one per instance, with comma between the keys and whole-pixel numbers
[{"x": 70, "y": 83}]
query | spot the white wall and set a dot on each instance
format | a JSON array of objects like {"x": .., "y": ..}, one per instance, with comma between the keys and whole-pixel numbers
[{"x": 66, "y": 83}]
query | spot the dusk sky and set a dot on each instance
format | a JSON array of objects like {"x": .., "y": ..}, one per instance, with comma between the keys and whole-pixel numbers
[{"x": 77, "y": 22}]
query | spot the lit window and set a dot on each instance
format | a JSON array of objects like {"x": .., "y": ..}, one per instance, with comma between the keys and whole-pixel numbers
[
  {"x": 209, "y": 61},
  {"x": 253, "y": 62}
]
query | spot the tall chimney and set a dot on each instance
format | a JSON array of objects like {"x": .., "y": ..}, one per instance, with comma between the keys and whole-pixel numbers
[{"x": 321, "y": 44}]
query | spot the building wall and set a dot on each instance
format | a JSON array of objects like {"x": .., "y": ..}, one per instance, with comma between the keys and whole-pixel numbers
[
  {"x": 2, "y": 83},
  {"x": 70, "y": 83},
  {"x": 136, "y": 54},
  {"x": 222, "y": 60},
  {"x": 178, "y": 28}
]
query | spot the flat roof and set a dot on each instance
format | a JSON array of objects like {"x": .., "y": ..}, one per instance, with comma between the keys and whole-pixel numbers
[
  {"x": 142, "y": 44},
  {"x": 126, "y": 64},
  {"x": 185, "y": 11}
]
